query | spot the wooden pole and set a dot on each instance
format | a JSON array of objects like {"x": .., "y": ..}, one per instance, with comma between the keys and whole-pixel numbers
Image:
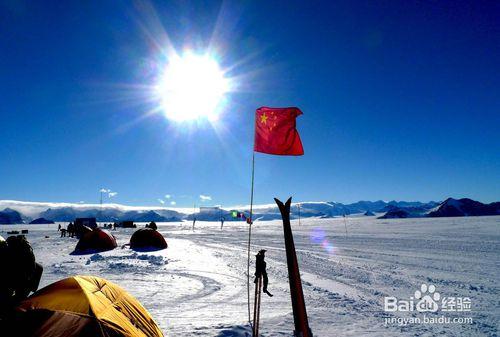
[
  {"x": 256, "y": 308},
  {"x": 298, "y": 304}
]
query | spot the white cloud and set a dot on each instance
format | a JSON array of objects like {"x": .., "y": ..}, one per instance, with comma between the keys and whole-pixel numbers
[
  {"x": 104, "y": 190},
  {"x": 168, "y": 196},
  {"x": 173, "y": 203},
  {"x": 112, "y": 194},
  {"x": 205, "y": 197},
  {"x": 161, "y": 201},
  {"x": 33, "y": 209}
]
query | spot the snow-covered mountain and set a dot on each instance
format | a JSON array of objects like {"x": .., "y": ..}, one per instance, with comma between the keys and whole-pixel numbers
[
  {"x": 464, "y": 207},
  {"x": 105, "y": 214},
  {"x": 21, "y": 211},
  {"x": 10, "y": 216},
  {"x": 448, "y": 208},
  {"x": 41, "y": 221}
]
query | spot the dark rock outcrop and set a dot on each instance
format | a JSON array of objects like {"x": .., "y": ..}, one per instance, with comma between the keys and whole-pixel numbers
[
  {"x": 9, "y": 216},
  {"x": 396, "y": 213},
  {"x": 465, "y": 207},
  {"x": 41, "y": 221}
]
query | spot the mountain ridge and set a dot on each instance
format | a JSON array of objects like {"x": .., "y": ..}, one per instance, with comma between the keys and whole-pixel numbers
[{"x": 24, "y": 212}]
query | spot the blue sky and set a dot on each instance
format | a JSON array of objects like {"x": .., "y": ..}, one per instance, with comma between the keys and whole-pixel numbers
[{"x": 400, "y": 100}]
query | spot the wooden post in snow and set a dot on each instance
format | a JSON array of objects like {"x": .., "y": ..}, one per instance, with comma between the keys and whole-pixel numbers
[{"x": 298, "y": 304}]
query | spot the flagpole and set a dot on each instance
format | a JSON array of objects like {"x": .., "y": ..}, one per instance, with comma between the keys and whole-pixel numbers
[
  {"x": 299, "y": 212},
  {"x": 249, "y": 237},
  {"x": 345, "y": 225}
]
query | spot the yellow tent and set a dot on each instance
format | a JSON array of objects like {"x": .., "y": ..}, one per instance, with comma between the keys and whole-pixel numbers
[{"x": 85, "y": 306}]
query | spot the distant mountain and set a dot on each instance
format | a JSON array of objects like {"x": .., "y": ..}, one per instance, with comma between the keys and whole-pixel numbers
[
  {"x": 448, "y": 208},
  {"x": 20, "y": 211},
  {"x": 9, "y": 216},
  {"x": 69, "y": 213},
  {"x": 333, "y": 209},
  {"x": 321, "y": 209},
  {"x": 396, "y": 213},
  {"x": 148, "y": 216},
  {"x": 210, "y": 214},
  {"x": 365, "y": 206},
  {"x": 414, "y": 207},
  {"x": 169, "y": 215},
  {"x": 464, "y": 207},
  {"x": 104, "y": 214},
  {"x": 60, "y": 214},
  {"x": 41, "y": 221}
]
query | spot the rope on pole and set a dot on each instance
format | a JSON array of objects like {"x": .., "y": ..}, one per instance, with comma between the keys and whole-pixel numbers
[{"x": 250, "y": 238}]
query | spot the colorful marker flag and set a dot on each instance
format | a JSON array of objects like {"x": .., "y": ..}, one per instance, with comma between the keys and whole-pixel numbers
[
  {"x": 239, "y": 215},
  {"x": 276, "y": 132}
]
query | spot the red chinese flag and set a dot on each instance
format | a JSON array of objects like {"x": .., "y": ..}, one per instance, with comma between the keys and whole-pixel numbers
[{"x": 276, "y": 133}]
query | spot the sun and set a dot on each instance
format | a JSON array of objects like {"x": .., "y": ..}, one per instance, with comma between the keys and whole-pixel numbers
[{"x": 192, "y": 87}]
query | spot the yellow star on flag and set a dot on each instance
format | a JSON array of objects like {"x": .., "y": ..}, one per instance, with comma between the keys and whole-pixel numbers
[{"x": 263, "y": 118}]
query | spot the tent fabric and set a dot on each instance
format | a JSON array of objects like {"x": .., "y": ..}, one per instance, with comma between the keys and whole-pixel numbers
[
  {"x": 85, "y": 306},
  {"x": 80, "y": 231},
  {"x": 97, "y": 240},
  {"x": 147, "y": 239}
]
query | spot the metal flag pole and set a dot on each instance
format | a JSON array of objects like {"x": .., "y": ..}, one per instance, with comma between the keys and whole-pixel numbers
[
  {"x": 298, "y": 205},
  {"x": 345, "y": 225},
  {"x": 220, "y": 217},
  {"x": 194, "y": 215},
  {"x": 249, "y": 237},
  {"x": 100, "y": 208}
]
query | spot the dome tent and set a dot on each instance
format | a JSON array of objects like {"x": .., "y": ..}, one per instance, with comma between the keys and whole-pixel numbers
[
  {"x": 97, "y": 240},
  {"x": 84, "y": 306},
  {"x": 147, "y": 239},
  {"x": 80, "y": 231}
]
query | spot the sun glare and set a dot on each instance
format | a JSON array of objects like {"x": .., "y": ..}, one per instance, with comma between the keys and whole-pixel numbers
[{"x": 192, "y": 87}]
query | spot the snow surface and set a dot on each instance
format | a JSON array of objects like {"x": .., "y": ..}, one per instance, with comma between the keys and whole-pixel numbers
[{"x": 197, "y": 287}]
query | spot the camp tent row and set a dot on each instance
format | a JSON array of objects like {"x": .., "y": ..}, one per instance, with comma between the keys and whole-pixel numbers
[{"x": 100, "y": 240}]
